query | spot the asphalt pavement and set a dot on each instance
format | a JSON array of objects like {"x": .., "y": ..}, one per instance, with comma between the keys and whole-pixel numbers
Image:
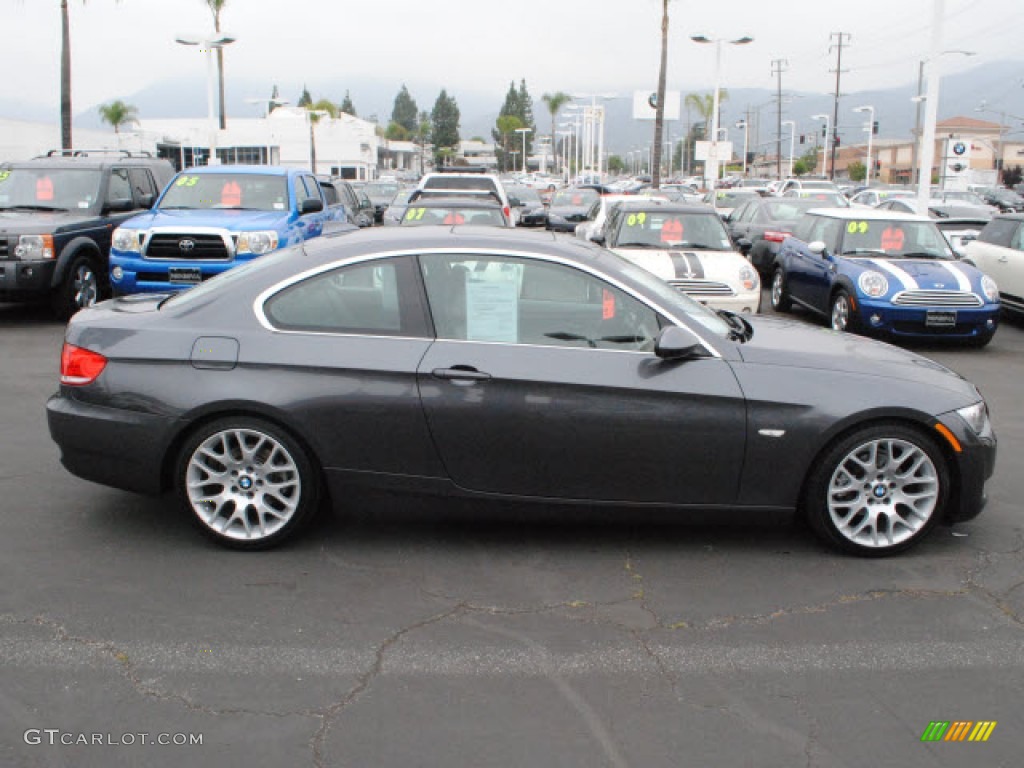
[{"x": 416, "y": 633}]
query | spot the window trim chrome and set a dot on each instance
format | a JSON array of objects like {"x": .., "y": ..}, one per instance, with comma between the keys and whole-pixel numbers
[{"x": 266, "y": 294}]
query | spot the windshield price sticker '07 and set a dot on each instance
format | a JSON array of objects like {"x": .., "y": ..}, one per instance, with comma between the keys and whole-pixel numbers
[
  {"x": 4, "y": 175},
  {"x": 415, "y": 214},
  {"x": 187, "y": 181},
  {"x": 636, "y": 219},
  {"x": 857, "y": 227}
]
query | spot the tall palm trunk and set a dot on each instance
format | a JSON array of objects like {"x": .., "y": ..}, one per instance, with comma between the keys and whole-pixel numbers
[
  {"x": 65, "y": 77},
  {"x": 659, "y": 117},
  {"x": 220, "y": 73}
]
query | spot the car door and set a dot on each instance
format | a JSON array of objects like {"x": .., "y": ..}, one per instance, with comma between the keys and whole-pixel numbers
[
  {"x": 310, "y": 224},
  {"x": 542, "y": 383},
  {"x": 805, "y": 269},
  {"x": 995, "y": 254}
]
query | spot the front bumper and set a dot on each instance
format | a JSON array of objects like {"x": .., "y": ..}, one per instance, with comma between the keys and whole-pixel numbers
[
  {"x": 139, "y": 275},
  {"x": 743, "y": 302},
  {"x": 25, "y": 279},
  {"x": 973, "y": 466},
  {"x": 910, "y": 322},
  {"x": 111, "y": 446}
]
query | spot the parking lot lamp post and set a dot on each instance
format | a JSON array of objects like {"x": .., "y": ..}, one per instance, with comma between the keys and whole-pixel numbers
[
  {"x": 524, "y": 131},
  {"x": 871, "y": 131},
  {"x": 792, "y": 143},
  {"x": 712, "y": 162},
  {"x": 743, "y": 124},
  {"x": 927, "y": 139},
  {"x": 208, "y": 45},
  {"x": 828, "y": 138}
]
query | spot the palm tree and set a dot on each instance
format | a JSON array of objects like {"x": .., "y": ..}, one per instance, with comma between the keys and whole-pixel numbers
[
  {"x": 216, "y": 6},
  {"x": 118, "y": 113},
  {"x": 659, "y": 115},
  {"x": 704, "y": 105},
  {"x": 555, "y": 101},
  {"x": 507, "y": 125}
]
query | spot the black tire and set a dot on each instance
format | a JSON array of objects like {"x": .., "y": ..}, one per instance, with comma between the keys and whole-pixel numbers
[
  {"x": 80, "y": 288},
  {"x": 780, "y": 297},
  {"x": 841, "y": 314},
  {"x": 862, "y": 505},
  {"x": 223, "y": 475}
]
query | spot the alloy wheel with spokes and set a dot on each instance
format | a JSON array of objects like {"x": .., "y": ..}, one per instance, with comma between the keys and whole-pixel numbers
[
  {"x": 247, "y": 484},
  {"x": 879, "y": 490},
  {"x": 842, "y": 312},
  {"x": 780, "y": 299},
  {"x": 85, "y": 285}
]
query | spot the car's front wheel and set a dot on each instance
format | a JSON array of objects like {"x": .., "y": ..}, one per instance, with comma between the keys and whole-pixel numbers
[
  {"x": 79, "y": 289},
  {"x": 780, "y": 298},
  {"x": 877, "y": 491},
  {"x": 246, "y": 482},
  {"x": 842, "y": 315}
]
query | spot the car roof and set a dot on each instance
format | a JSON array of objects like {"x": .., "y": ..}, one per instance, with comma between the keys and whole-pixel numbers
[
  {"x": 456, "y": 201},
  {"x": 94, "y": 162},
  {"x": 245, "y": 170},
  {"x": 866, "y": 214},
  {"x": 668, "y": 206}
]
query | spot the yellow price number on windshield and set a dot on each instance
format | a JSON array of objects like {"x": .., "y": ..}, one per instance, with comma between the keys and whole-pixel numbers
[
  {"x": 4, "y": 175},
  {"x": 415, "y": 214},
  {"x": 636, "y": 219},
  {"x": 857, "y": 227},
  {"x": 187, "y": 181}
]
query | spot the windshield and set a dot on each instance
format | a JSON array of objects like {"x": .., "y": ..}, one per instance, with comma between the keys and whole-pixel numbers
[
  {"x": 824, "y": 198},
  {"x": 671, "y": 229},
  {"x": 421, "y": 216},
  {"x": 895, "y": 240},
  {"x": 579, "y": 198},
  {"x": 524, "y": 194},
  {"x": 49, "y": 188},
  {"x": 241, "y": 191},
  {"x": 381, "y": 190},
  {"x": 786, "y": 208},
  {"x": 818, "y": 185},
  {"x": 675, "y": 301},
  {"x": 730, "y": 198}
]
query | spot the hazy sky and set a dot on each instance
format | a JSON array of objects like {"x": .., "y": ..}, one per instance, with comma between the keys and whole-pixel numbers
[{"x": 604, "y": 45}]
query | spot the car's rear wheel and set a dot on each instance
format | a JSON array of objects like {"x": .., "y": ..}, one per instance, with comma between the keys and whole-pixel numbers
[
  {"x": 246, "y": 482},
  {"x": 780, "y": 299},
  {"x": 877, "y": 491},
  {"x": 842, "y": 315},
  {"x": 79, "y": 289}
]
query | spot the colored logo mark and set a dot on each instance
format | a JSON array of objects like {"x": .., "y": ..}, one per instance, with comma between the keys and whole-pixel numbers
[{"x": 958, "y": 730}]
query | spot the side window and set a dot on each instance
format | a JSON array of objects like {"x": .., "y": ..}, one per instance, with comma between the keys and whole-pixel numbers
[
  {"x": 119, "y": 187},
  {"x": 330, "y": 194},
  {"x": 142, "y": 184},
  {"x": 826, "y": 230},
  {"x": 802, "y": 230},
  {"x": 998, "y": 232},
  {"x": 365, "y": 298},
  {"x": 1018, "y": 239},
  {"x": 524, "y": 301},
  {"x": 304, "y": 190}
]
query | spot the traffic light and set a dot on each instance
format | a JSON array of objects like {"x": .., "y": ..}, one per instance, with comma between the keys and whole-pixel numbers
[
  {"x": 874, "y": 128},
  {"x": 802, "y": 138},
  {"x": 824, "y": 132}
]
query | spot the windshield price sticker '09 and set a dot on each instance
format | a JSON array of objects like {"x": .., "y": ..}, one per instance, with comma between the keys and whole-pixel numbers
[
  {"x": 636, "y": 219},
  {"x": 857, "y": 227},
  {"x": 187, "y": 181},
  {"x": 415, "y": 214},
  {"x": 4, "y": 175}
]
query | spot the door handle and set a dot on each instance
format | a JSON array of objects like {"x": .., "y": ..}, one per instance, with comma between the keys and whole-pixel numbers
[{"x": 460, "y": 373}]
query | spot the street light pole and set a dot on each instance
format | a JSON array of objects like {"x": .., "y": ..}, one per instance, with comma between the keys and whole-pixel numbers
[
  {"x": 871, "y": 131},
  {"x": 824, "y": 149},
  {"x": 743, "y": 124},
  {"x": 208, "y": 45},
  {"x": 792, "y": 143},
  {"x": 524, "y": 131},
  {"x": 927, "y": 151}
]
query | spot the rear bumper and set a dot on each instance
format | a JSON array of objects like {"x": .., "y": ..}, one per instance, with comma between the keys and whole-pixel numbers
[{"x": 110, "y": 446}]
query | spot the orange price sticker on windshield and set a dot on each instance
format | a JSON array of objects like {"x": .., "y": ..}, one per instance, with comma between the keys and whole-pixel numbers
[
  {"x": 672, "y": 231},
  {"x": 454, "y": 218},
  {"x": 607, "y": 304},
  {"x": 44, "y": 189},
  {"x": 892, "y": 239},
  {"x": 231, "y": 194}
]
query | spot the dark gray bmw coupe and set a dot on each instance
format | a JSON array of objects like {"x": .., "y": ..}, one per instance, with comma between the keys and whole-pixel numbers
[{"x": 501, "y": 363}]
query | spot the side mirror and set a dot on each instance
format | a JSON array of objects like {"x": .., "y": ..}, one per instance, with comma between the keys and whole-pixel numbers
[
  {"x": 122, "y": 204},
  {"x": 675, "y": 343},
  {"x": 744, "y": 245},
  {"x": 146, "y": 201},
  {"x": 598, "y": 237},
  {"x": 727, "y": 217},
  {"x": 311, "y": 205},
  {"x": 817, "y": 247},
  {"x": 515, "y": 202}
]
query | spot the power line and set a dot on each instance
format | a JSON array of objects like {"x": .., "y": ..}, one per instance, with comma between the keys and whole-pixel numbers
[{"x": 841, "y": 38}]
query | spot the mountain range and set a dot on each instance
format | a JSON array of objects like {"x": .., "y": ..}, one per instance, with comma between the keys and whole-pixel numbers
[{"x": 992, "y": 87}]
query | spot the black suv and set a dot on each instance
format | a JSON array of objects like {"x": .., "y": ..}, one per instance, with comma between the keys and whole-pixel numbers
[{"x": 57, "y": 214}]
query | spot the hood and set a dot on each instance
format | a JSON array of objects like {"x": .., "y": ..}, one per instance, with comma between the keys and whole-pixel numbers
[
  {"x": 222, "y": 218},
  {"x": 924, "y": 274},
  {"x": 42, "y": 222},
  {"x": 681, "y": 264},
  {"x": 789, "y": 343}
]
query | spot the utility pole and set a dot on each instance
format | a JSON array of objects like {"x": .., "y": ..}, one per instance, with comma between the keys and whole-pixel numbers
[
  {"x": 841, "y": 38},
  {"x": 778, "y": 67}
]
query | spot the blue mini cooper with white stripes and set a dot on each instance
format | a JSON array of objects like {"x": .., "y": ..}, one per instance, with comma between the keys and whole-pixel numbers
[{"x": 883, "y": 273}]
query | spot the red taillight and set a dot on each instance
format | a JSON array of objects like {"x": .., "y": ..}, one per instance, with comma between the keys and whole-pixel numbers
[
  {"x": 80, "y": 366},
  {"x": 776, "y": 237},
  {"x": 508, "y": 212}
]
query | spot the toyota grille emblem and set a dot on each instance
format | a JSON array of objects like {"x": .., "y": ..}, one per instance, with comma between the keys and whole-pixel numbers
[{"x": 186, "y": 245}]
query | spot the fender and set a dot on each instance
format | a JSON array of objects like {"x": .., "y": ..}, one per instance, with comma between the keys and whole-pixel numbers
[
  {"x": 77, "y": 246},
  {"x": 844, "y": 281}
]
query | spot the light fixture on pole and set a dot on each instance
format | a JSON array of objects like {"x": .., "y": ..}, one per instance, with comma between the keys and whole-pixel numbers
[
  {"x": 743, "y": 124},
  {"x": 792, "y": 143},
  {"x": 524, "y": 131},
  {"x": 712, "y": 161},
  {"x": 208, "y": 45},
  {"x": 828, "y": 139},
  {"x": 918, "y": 101},
  {"x": 871, "y": 130}
]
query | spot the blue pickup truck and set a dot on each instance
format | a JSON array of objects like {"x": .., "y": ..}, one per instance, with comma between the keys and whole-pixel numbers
[{"x": 213, "y": 218}]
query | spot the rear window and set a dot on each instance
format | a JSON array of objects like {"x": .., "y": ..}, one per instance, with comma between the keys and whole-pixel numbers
[{"x": 481, "y": 183}]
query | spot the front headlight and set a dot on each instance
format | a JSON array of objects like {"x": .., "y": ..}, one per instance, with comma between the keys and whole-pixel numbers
[
  {"x": 976, "y": 417},
  {"x": 873, "y": 284},
  {"x": 257, "y": 243},
  {"x": 127, "y": 240},
  {"x": 748, "y": 278},
  {"x": 989, "y": 288},
  {"x": 34, "y": 247}
]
